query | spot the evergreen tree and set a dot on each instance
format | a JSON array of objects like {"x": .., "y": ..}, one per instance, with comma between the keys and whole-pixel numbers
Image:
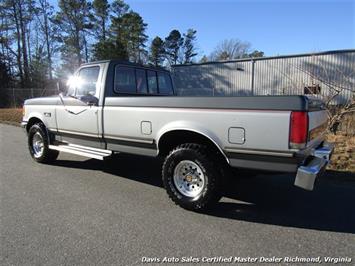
[
  {"x": 129, "y": 30},
  {"x": 189, "y": 46},
  {"x": 101, "y": 12},
  {"x": 119, "y": 8},
  {"x": 173, "y": 45},
  {"x": 157, "y": 52},
  {"x": 109, "y": 49},
  {"x": 74, "y": 18}
]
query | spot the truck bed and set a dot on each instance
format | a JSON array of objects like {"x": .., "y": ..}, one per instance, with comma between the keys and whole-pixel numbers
[{"x": 280, "y": 103}]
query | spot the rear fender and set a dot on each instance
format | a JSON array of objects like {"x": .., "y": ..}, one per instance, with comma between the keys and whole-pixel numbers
[{"x": 193, "y": 127}]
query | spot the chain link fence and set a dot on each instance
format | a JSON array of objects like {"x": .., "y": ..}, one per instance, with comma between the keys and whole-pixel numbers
[{"x": 14, "y": 97}]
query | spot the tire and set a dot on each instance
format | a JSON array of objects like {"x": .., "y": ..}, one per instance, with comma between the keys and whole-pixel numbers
[
  {"x": 191, "y": 177},
  {"x": 38, "y": 145}
]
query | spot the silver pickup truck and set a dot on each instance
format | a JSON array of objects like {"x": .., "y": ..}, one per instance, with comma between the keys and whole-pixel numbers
[{"x": 113, "y": 107}]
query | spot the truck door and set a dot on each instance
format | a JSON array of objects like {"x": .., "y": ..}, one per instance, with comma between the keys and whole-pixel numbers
[{"x": 79, "y": 112}]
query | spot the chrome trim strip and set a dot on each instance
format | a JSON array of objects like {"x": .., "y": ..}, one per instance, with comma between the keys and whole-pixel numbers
[
  {"x": 78, "y": 133},
  {"x": 259, "y": 152},
  {"x": 147, "y": 141}
]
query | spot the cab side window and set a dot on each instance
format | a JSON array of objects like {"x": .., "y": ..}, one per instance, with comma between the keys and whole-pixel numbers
[
  {"x": 141, "y": 80},
  {"x": 152, "y": 82},
  {"x": 164, "y": 83},
  {"x": 87, "y": 81},
  {"x": 136, "y": 80},
  {"x": 125, "y": 80}
]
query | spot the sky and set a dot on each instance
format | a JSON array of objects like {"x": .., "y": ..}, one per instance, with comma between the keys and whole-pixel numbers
[{"x": 274, "y": 27}]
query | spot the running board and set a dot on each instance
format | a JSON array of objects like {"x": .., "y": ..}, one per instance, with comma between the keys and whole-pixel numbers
[{"x": 82, "y": 151}]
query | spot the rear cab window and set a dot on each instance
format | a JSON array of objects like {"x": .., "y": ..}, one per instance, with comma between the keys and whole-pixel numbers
[
  {"x": 141, "y": 81},
  {"x": 125, "y": 80},
  {"x": 152, "y": 82},
  {"x": 164, "y": 83}
]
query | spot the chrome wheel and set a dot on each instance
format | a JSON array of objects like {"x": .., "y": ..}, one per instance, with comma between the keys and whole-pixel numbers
[
  {"x": 37, "y": 145},
  {"x": 189, "y": 178}
]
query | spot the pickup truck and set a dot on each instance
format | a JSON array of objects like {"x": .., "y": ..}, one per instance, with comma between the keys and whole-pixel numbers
[{"x": 111, "y": 107}]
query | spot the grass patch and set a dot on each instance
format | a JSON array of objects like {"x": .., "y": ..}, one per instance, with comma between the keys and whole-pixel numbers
[{"x": 11, "y": 115}]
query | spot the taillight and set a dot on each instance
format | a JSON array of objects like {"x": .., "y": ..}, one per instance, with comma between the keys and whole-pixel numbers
[{"x": 298, "y": 129}]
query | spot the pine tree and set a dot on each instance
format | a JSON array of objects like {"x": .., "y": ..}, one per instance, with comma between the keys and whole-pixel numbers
[
  {"x": 173, "y": 45},
  {"x": 119, "y": 8},
  {"x": 157, "y": 52},
  {"x": 109, "y": 49},
  {"x": 189, "y": 46},
  {"x": 129, "y": 30},
  {"x": 101, "y": 12},
  {"x": 74, "y": 18},
  {"x": 112, "y": 47}
]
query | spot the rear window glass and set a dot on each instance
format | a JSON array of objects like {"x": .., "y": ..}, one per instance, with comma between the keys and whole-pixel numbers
[
  {"x": 152, "y": 82},
  {"x": 125, "y": 80},
  {"x": 164, "y": 83},
  {"x": 141, "y": 80}
]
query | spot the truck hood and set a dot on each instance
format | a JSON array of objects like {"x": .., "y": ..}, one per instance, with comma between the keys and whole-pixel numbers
[{"x": 51, "y": 100}]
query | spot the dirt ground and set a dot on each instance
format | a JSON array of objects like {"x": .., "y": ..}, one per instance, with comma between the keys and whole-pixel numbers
[{"x": 10, "y": 115}]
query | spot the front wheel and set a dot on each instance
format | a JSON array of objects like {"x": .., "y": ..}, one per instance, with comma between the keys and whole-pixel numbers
[
  {"x": 191, "y": 177},
  {"x": 38, "y": 145}
]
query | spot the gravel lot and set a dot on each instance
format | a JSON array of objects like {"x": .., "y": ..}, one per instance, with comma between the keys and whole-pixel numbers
[{"x": 87, "y": 212}]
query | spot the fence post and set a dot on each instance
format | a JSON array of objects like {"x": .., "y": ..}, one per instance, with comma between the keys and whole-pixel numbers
[
  {"x": 13, "y": 98},
  {"x": 252, "y": 76}
]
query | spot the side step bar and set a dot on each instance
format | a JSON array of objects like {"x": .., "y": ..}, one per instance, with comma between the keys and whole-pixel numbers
[{"x": 82, "y": 151}]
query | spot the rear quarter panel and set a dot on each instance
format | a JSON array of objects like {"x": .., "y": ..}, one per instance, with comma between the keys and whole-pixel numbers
[{"x": 264, "y": 130}]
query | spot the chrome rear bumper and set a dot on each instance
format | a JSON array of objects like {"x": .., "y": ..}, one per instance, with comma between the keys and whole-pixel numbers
[{"x": 314, "y": 167}]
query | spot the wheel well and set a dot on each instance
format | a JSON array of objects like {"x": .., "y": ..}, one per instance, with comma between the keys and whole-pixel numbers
[
  {"x": 172, "y": 139},
  {"x": 32, "y": 121}
]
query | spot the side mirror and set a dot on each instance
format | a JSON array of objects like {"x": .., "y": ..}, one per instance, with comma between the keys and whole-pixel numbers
[{"x": 89, "y": 100}]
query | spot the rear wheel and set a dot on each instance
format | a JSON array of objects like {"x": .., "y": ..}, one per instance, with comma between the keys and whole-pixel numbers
[
  {"x": 191, "y": 177},
  {"x": 38, "y": 145}
]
